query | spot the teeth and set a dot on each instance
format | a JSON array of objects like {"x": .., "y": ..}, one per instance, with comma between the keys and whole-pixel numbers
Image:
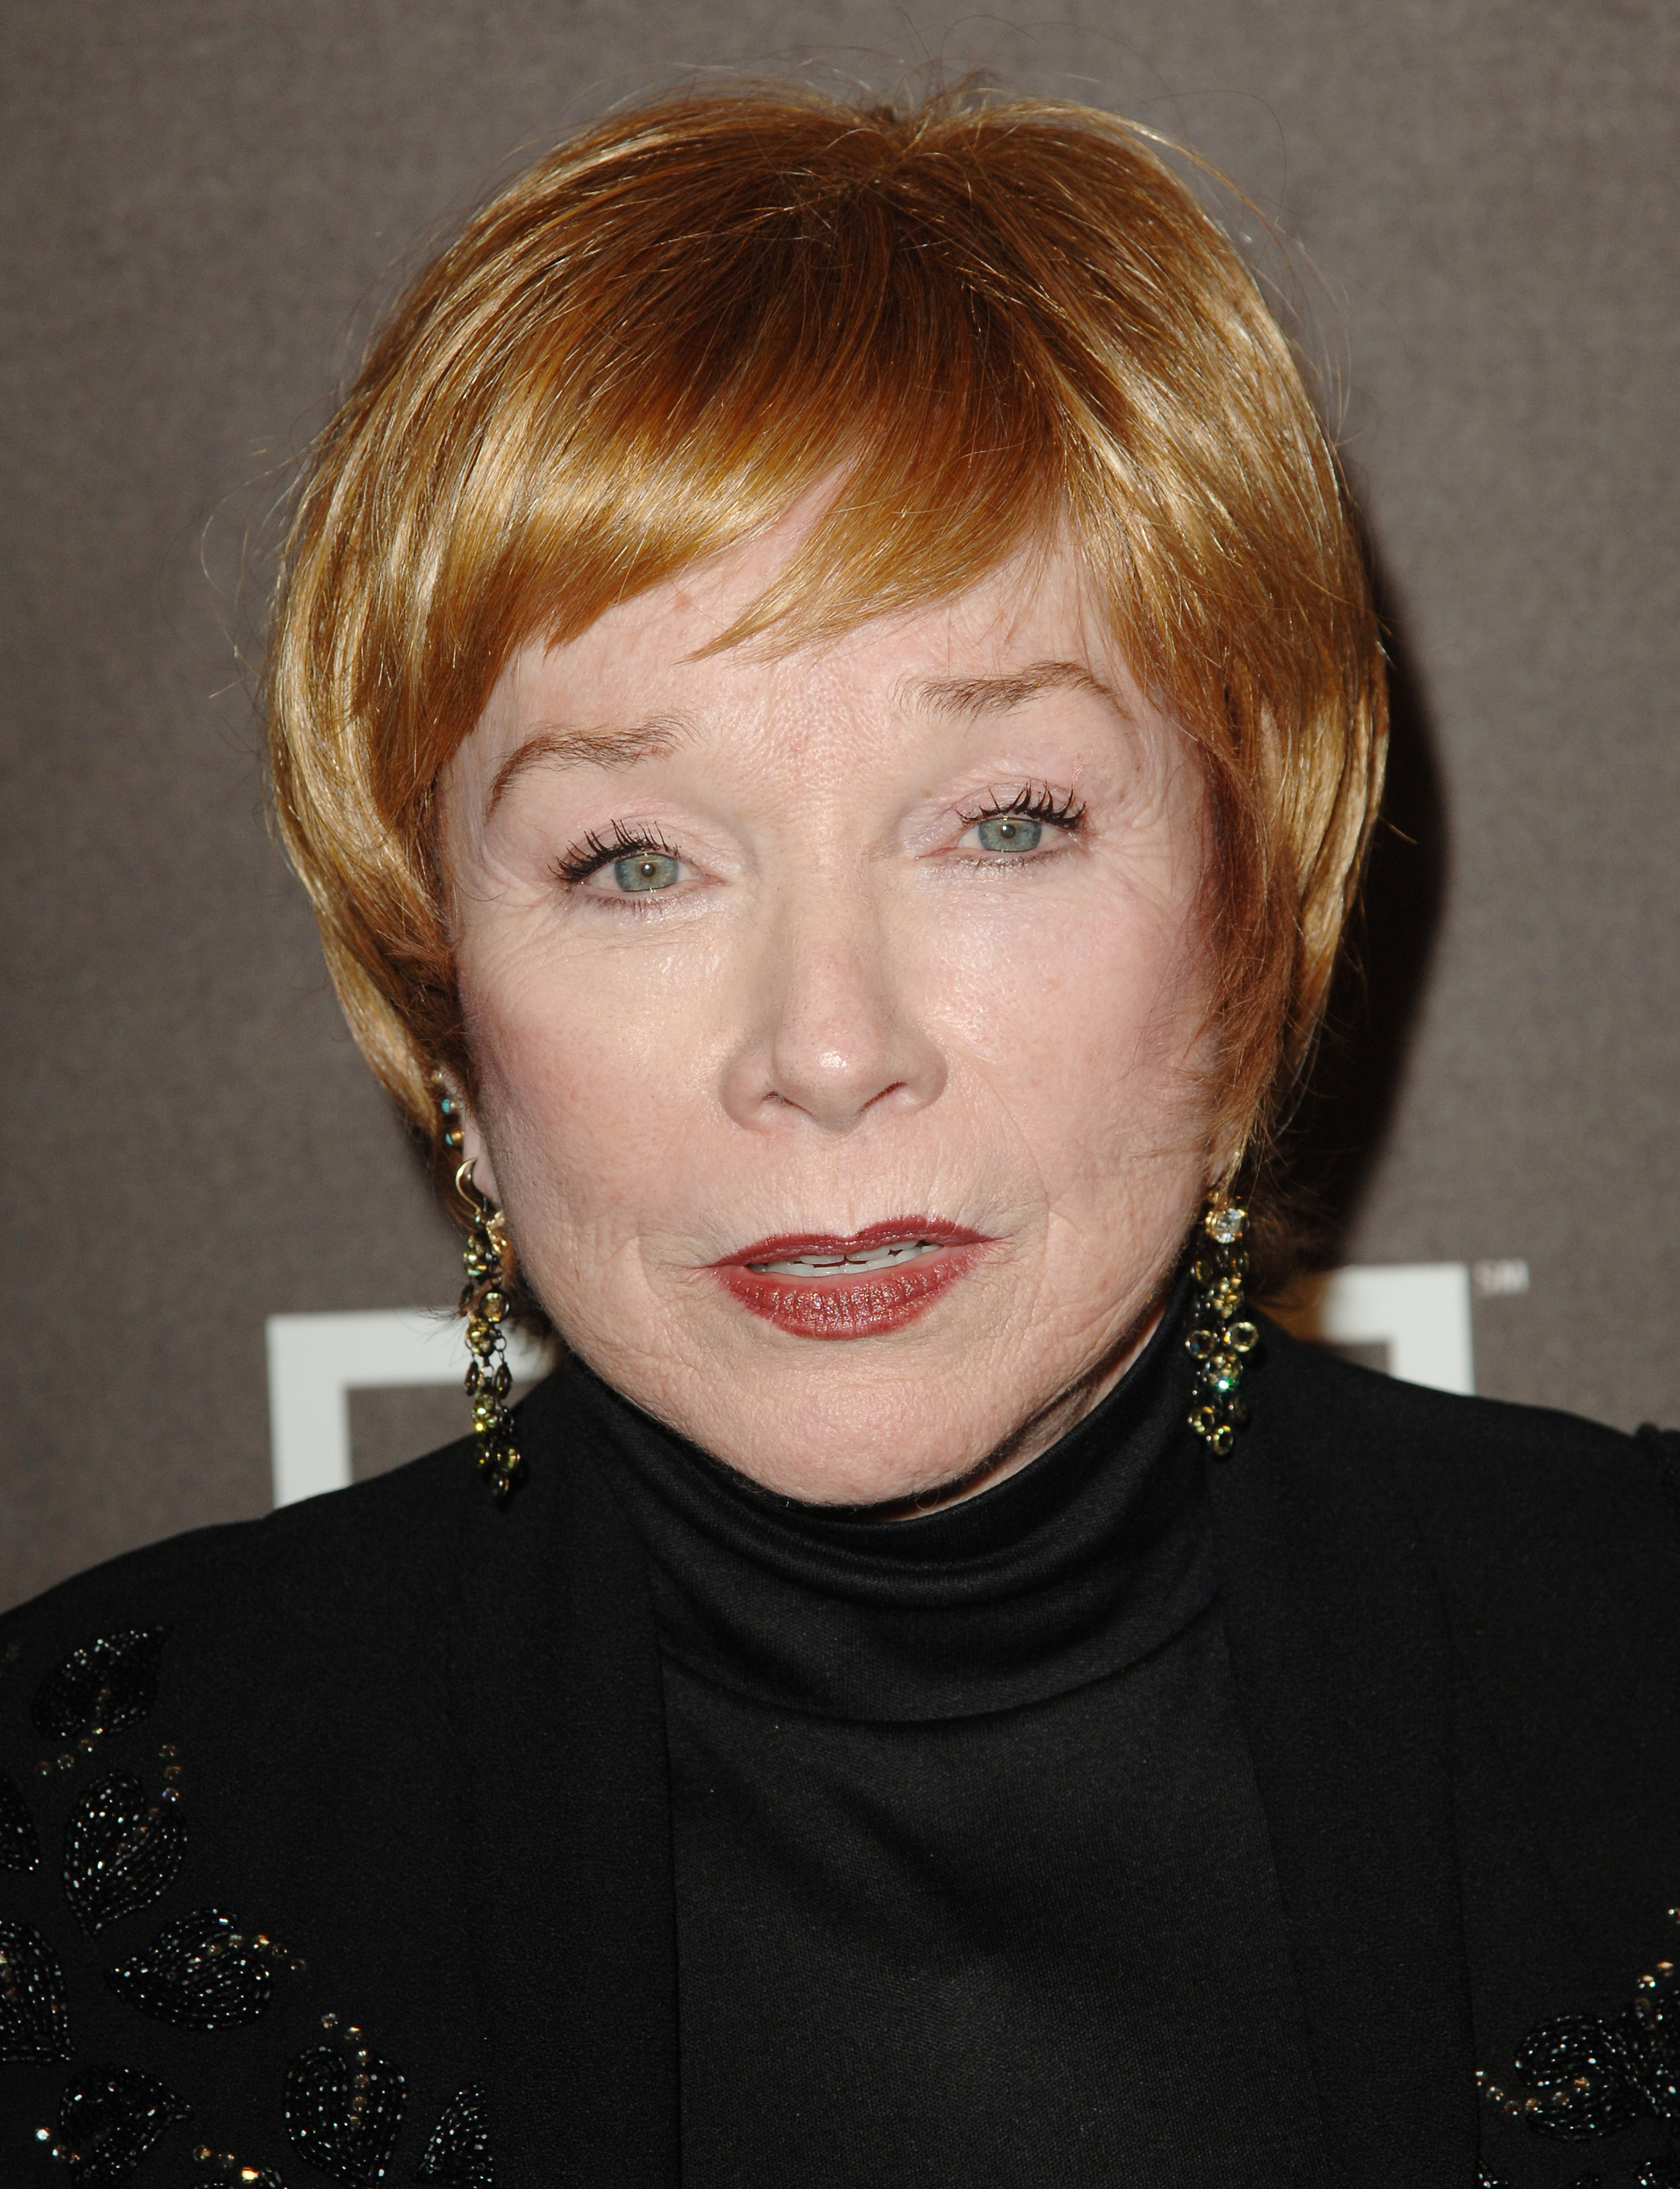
[{"x": 829, "y": 1265}]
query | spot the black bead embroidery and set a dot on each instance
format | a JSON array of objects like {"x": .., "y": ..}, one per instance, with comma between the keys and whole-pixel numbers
[
  {"x": 229, "y": 2165},
  {"x": 34, "y": 2019},
  {"x": 1593, "y": 2076},
  {"x": 109, "y": 2119},
  {"x": 121, "y": 1851},
  {"x": 459, "y": 2153},
  {"x": 20, "y": 1849},
  {"x": 1597, "y": 2075},
  {"x": 1580, "y": 2181},
  {"x": 105, "y": 1688},
  {"x": 344, "y": 2108},
  {"x": 201, "y": 1973}
]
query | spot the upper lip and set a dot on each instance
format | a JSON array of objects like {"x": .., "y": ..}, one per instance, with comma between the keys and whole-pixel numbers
[{"x": 787, "y": 1246}]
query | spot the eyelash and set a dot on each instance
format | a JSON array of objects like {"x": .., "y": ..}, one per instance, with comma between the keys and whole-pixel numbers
[
  {"x": 595, "y": 851},
  {"x": 1037, "y": 802}
]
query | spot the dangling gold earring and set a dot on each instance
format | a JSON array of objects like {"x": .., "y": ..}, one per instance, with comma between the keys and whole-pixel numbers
[
  {"x": 1221, "y": 1335},
  {"x": 486, "y": 1258},
  {"x": 485, "y": 1304}
]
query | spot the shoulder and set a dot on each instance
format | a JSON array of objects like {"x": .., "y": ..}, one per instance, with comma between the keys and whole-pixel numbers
[
  {"x": 1553, "y": 1542},
  {"x": 290, "y": 1678},
  {"x": 316, "y": 1634},
  {"x": 1552, "y": 1549},
  {"x": 354, "y": 1553},
  {"x": 339, "y": 1610},
  {"x": 1536, "y": 1523},
  {"x": 1553, "y": 1545},
  {"x": 1471, "y": 1462},
  {"x": 232, "y": 1798}
]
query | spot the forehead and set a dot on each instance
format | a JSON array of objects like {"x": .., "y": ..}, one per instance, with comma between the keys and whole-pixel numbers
[{"x": 1033, "y": 625}]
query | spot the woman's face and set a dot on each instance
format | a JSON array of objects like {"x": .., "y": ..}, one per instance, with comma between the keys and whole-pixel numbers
[{"x": 840, "y": 1020}]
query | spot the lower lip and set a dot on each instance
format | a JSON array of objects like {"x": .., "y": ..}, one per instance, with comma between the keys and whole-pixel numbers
[{"x": 864, "y": 1306}]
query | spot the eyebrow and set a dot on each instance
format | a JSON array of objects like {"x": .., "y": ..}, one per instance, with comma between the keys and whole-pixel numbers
[
  {"x": 975, "y": 696},
  {"x": 972, "y": 696},
  {"x": 587, "y": 749}
]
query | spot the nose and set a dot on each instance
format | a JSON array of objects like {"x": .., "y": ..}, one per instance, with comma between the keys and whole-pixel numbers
[{"x": 833, "y": 1034}]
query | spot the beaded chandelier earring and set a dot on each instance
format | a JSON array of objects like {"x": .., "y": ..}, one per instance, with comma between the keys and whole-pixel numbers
[
  {"x": 487, "y": 1259},
  {"x": 1220, "y": 1336}
]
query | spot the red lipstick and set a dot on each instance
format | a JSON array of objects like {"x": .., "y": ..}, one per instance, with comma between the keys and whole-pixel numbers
[{"x": 818, "y": 1284}]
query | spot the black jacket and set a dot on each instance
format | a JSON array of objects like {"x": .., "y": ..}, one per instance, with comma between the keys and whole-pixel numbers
[{"x": 414, "y": 1742}]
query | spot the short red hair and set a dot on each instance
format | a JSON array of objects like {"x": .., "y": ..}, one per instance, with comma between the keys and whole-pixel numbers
[{"x": 997, "y": 322}]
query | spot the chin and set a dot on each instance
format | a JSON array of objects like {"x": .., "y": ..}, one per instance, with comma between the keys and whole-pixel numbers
[
  {"x": 801, "y": 1436},
  {"x": 908, "y": 1414}
]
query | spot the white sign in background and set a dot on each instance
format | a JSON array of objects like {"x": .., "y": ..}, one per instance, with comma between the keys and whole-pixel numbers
[
  {"x": 315, "y": 1361},
  {"x": 1419, "y": 1312}
]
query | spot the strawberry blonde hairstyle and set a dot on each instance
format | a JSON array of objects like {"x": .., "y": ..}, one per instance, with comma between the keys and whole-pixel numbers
[{"x": 997, "y": 323}]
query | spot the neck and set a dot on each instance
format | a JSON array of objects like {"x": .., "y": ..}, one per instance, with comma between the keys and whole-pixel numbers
[{"x": 1035, "y": 1436}]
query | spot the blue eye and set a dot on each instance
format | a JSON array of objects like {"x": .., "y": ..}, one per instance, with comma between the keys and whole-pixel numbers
[
  {"x": 641, "y": 871},
  {"x": 1009, "y": 832}
]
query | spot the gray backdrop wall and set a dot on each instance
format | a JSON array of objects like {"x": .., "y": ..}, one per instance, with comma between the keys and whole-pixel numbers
[{"x": 200, "y": 196}]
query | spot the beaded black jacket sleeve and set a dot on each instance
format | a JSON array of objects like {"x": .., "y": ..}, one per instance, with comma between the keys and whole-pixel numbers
[{"x": 336, "y": 1847}]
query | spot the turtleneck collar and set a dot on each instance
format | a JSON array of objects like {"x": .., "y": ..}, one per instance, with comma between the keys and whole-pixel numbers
[{"x": 1085, "y": 1561}]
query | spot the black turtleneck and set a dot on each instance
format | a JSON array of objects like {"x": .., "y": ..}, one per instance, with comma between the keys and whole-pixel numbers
[{"x": 973, "y": 1884}]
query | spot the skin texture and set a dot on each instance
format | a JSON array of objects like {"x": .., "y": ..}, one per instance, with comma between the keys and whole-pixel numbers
[{"x": 844, "y": 1011}]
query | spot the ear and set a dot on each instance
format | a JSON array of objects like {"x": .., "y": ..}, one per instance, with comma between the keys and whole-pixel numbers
[
  {"x": 472, "y": 1145},
  {"x": 474, "y": 1150}
]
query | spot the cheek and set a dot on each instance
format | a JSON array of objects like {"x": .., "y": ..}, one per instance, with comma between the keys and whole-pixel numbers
[
  {"x": 588, "y": 1079},
  {"x": 1094, "y": 1031}
]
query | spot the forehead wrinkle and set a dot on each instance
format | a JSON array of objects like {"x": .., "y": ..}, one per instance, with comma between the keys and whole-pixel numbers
[
  {"x": 974, "y": 696},
  {"x": 602, "y": 747}
]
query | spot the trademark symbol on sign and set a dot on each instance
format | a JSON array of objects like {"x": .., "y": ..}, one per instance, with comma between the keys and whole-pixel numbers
[{"x": 1498, "y": 1280}]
